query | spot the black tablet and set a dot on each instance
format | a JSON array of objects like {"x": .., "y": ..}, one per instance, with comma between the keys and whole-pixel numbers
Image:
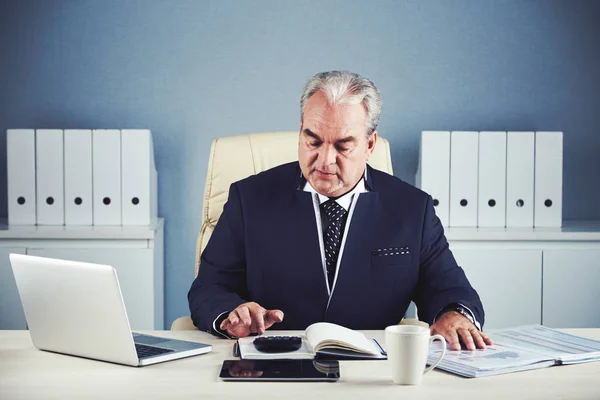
[{"x": 280, "y": 370}]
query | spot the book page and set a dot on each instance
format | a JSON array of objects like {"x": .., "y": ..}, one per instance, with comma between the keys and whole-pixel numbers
[
  {"x": 323, "y": 335},
  {"x": 549, "y": 342}
]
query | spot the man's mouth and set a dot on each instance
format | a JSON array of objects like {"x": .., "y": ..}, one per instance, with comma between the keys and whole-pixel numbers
[{"x": 324, "y": 173}]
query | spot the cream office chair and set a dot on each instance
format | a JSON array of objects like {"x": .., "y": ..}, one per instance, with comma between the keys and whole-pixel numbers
[{"x": 236, "y": 157}]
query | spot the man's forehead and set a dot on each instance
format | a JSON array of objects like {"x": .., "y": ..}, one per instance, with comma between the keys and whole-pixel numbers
[
  {"x": 320, "y": 118},
  {"x": 320, "y": 101}
]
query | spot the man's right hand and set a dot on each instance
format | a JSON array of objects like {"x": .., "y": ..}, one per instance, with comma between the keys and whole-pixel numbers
[{"x": 250, "y": 318}]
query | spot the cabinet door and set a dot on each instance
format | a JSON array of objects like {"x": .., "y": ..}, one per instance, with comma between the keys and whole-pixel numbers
[
  {"x": 135, "y": 271},
  {"x": 571, "y": 282},
  {"x": 11, "y": 310},
  {"x": 509, "y": 283}
]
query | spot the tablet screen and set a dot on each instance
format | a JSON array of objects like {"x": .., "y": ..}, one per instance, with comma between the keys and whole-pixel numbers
[{"x": 280, "y": 370}]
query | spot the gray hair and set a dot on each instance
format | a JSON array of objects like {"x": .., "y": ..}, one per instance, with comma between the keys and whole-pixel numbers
[{"x": 344, "y": 87}]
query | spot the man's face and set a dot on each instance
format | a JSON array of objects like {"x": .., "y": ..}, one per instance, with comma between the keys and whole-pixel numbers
[{"x": 334, "y": 149}]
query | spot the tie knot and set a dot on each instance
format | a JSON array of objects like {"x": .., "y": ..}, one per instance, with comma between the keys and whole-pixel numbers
[{"x": 333, "y": 210}]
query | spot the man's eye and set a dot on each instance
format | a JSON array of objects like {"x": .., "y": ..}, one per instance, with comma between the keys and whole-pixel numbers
[
  {"x": 315, "y": 144},
  {"x": 342, "y": 149}
]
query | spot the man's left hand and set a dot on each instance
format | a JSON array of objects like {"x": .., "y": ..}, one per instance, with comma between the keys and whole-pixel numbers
[{"x": 452, "y": 324}]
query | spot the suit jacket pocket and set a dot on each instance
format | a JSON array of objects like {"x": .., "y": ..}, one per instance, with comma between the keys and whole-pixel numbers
[{"x": 385, "y": 256}]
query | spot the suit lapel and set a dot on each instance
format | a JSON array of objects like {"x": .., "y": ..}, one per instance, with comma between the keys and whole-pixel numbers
[
  {"x": 355, "y": 266},
  {"x": 358, "y": 230},
  {"x": 303, "y": 221}
]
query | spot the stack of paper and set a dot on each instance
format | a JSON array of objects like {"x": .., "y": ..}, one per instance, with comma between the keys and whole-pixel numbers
[
  {"x": 519, "y": 349},
  {"x": 494, "y": 360}
]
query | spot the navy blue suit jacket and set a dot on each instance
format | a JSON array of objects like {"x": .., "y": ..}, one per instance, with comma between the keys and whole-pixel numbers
[{"x": 265, "y": 248}]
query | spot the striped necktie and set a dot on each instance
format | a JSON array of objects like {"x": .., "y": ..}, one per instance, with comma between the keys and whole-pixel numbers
[{"x": 332, "y": 238}]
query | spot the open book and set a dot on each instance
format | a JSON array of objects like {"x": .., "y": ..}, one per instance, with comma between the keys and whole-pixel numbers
[
  {"x": 519, "y": 349},
  {"x": 321, "y": 340}
]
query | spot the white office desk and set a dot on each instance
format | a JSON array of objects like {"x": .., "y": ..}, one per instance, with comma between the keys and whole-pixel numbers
[{"x": 27, "y": 373}]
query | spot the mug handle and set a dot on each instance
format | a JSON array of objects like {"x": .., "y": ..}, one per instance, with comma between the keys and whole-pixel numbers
[{"x": 441, "y": 339}]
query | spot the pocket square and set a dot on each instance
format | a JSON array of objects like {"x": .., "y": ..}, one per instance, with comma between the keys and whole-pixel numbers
[{"x": 391, "y": 251}]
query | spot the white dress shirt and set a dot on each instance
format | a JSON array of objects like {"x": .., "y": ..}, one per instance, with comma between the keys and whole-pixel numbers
[{"x": 348, "y": 202}]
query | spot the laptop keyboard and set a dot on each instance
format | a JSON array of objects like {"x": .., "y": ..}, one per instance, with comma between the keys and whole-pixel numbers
[{"x": 144, "y": 351}]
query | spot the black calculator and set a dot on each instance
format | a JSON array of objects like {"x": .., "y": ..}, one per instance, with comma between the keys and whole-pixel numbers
[{"x": 277, "y": 344}]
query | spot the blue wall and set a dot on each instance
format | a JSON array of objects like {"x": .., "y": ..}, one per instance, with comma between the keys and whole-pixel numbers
[{"x": 192, "y": 71}]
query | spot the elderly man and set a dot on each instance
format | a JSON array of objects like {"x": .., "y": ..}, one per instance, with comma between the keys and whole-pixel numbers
[{"x": 328, "y": 238}]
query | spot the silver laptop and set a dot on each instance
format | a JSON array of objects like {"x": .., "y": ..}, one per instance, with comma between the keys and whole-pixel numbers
[{"x": 77, "y": 308}]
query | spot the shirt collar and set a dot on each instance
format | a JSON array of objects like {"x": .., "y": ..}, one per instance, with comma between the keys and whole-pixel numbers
[
  {"x": 368, "y": 179},
  {"x": 345, "y": 200}
]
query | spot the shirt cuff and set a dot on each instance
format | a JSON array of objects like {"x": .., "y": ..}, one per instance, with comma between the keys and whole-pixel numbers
[
  {"x": 475, "y": 322},
  {"x": 217, "y": 323}
]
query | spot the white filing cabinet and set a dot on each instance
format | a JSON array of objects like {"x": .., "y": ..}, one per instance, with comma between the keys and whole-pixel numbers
[
  {"x": 524, "y": 276},
  {"x": 136, "y": 252},
  {"x": 511, "y": 294}
]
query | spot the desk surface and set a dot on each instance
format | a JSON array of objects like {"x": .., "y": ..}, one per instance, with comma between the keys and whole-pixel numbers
[{"x": 27, "y": 373}]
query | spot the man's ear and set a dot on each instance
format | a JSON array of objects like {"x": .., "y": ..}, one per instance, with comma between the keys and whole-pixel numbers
[{"x": 371, "y": 141}]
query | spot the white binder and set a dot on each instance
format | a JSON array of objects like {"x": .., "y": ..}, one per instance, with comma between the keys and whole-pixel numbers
[
  {"x": 464, "y": 147},
  {"x": 106, "y": 172},
  {"x": 78, "y": 177},
  {"x": 20, "y": 166},
  {"x": 433, "y": 173},
  {"x": 49, "y": 177},
  {"x": 492, "y": 180},
  {"x": 548, "y": 179},
  {"x": 519, "y": 179},
  {"x": 139, "y": 180}
]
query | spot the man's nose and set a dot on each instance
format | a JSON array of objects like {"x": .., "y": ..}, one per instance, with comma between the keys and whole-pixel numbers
[{"x": 327, "y": 155}]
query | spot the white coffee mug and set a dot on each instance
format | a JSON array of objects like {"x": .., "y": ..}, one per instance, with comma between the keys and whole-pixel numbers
[{"x": 407, "y": 350}]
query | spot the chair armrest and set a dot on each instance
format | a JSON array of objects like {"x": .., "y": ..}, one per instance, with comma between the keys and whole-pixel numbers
[{"x": 183, "y": 324}]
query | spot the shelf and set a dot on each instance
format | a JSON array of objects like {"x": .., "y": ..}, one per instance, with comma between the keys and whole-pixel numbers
[
  {"x": 570, "y": 231},
  {"x": 79, "y": 232}
]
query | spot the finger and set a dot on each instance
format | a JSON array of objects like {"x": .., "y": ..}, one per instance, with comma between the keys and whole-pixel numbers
[
  {"x": 477, "y": 338},
  {"x": 256, "y": 315},
  {"x": 467, "y": 338},
  {"x": 225, "y": 324},
  {"x": 486, "y": 339},
  {"x": 239, "y": 331},
  {"x": 273, "y": 316},
  {"x": 452, "y": 338},
  {"x": 233, "y": 318},
  {"x": 258, "y": 321},
  {"x": 244, "y": 315}
]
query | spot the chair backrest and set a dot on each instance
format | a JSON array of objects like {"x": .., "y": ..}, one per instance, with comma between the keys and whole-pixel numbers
[{"x": 233, "y": 158}]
